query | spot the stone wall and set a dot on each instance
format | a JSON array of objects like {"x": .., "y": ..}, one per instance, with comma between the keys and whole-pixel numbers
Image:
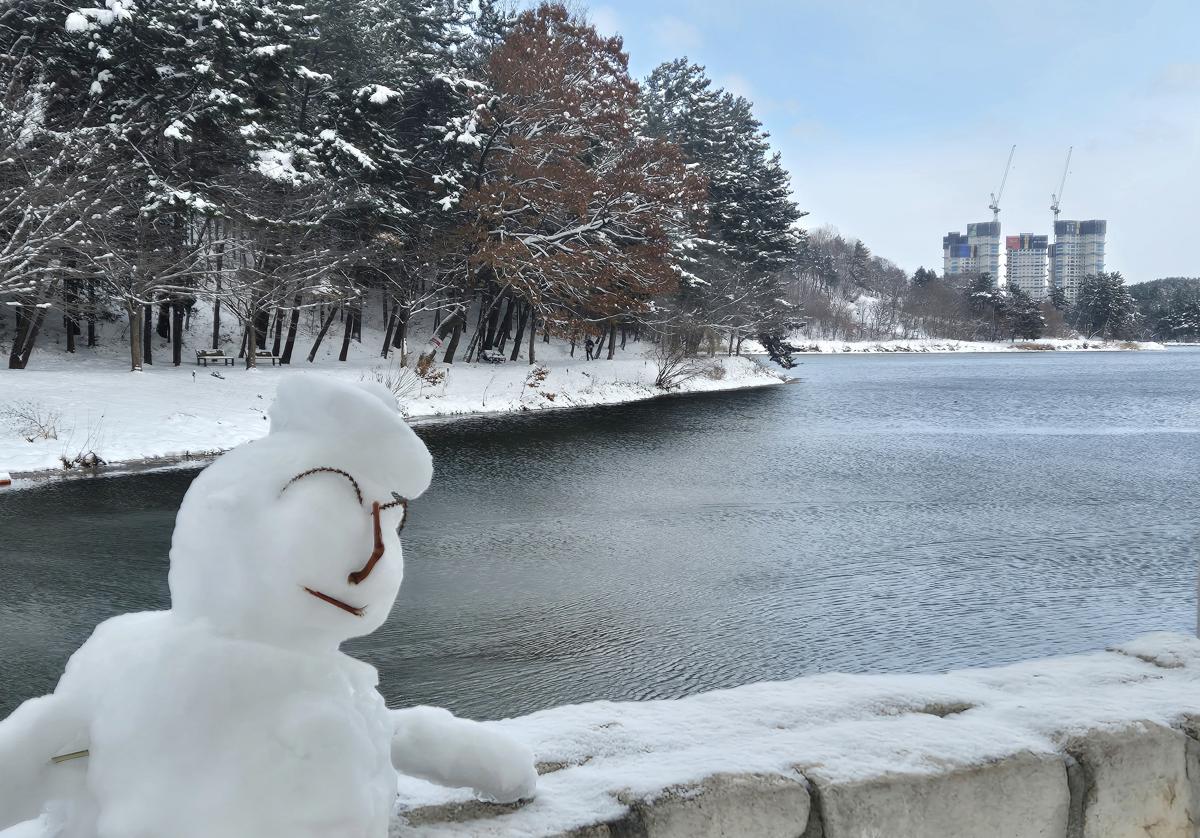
[{"x": 1126, "y": 766}]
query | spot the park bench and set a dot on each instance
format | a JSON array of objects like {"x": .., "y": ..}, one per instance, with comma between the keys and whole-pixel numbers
[
  {"x": 204, "y": 356},
  {"x": 265, "y": 355}
]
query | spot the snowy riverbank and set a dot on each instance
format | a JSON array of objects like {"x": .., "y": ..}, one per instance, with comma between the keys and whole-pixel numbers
[
  {"x": 166, "y": 413},
  {"x": 1096, "y": 744},
  {"x": 937, "y": 345}
]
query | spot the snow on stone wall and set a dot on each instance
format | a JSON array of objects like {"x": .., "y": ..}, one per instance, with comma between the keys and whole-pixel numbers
[{"x": 1101, "y": 745}]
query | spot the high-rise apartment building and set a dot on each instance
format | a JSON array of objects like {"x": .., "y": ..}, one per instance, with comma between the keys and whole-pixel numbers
[
  {"x": 1078, "y": 251},
  {"x": 1025, "y": 264},
  {"x": 956, "y": 255},
  {"x": 976, "y": 252},
  {"x": 984, "y": 239}
]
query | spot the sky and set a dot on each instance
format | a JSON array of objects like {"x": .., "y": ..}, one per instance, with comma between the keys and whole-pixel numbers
[{"x": 895, "y": 119}]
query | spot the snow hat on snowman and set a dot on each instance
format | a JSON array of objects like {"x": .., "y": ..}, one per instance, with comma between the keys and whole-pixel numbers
[{"x": 293, "y": 539}]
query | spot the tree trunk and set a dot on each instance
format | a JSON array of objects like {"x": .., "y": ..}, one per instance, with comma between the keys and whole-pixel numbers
[
  {"x": 262, "y": 325},
  {"x": 522, "y": 321},
  {"x": 216, "y": 335},
  {"x": 14, "y": 354},
  {"x": 439, "y": 333},
  {"x": 163, "y": 325},
  {"x": 91, "y": 318},
  {"x": 493, "y": 319},
  {"x": 312, "y": 353},
  {"x": 135, "y": 337},
  {"x": 401, "y": 333},
  {"x": 293, "y": 322},
  {"x": 532, "y": 332},
  {"x": 400, "y": 338},
  {"x": 387, "y": 335},
  {"x": 147, "y": 334},
  {"x": 249, "y": 339},
  {"x": 177, "y": 333},
  {"x": 612, "y": 340},
  {"x": 347, "y": 334},
  {"x": 599, "y": 345},
  {"x": 69, "y": 322},
  {"x": 70, "y": 311},
  {"x": 505, "y": 326},
  {"x": 276, "y": 343},
  {"x": 452, "y": 346}
]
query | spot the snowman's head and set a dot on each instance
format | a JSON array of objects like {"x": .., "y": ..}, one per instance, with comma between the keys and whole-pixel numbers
[{"x": 294, "y": 539}]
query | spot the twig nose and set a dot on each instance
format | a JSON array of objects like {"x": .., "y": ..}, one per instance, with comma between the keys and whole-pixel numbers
[{"x": 376, "y": 554}]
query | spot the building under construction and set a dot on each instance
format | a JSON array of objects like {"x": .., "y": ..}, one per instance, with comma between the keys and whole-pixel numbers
[
  {"x": 1031, "y": 262},
  {"x": 1025, "y": 264},
  {"x": 1078, "y": 251},
  {"x": 976, "y": 252}
]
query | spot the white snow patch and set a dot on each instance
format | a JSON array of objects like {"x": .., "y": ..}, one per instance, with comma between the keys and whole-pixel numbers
[{"x": 850, "y": 727}]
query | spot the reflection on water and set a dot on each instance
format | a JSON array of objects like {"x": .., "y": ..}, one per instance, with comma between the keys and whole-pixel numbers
[{"x": 886, "y": 513}]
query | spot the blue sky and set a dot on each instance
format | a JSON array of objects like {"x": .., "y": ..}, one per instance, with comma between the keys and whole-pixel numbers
[{"x": 895, "y": 119}]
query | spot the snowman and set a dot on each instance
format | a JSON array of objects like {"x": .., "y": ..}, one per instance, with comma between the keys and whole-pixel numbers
[{"x": 234, "y": 714}]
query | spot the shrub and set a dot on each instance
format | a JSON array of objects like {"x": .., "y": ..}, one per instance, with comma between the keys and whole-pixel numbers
[
  {"x": 675, "y": 366},
  {"x": 427, "y": 370},
  {"x": 31, "y": 420},
  {"x": 399, "y": 380}
]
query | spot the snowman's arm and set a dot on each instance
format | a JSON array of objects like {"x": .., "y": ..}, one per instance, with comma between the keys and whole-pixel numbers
[
  {"x": 30, "y": 738},
  {"x": 433, "y": 744}
]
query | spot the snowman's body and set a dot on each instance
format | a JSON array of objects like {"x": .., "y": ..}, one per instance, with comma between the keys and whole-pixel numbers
[
  {"x": 235, "y": 714},
  {"x": 230, "y": 730}
]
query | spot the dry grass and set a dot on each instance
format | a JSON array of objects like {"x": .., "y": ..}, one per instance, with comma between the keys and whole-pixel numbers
[{"x": 1036, "y": 347}]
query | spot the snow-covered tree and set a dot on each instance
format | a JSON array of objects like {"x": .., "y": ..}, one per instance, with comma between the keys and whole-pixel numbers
[
  {"x": 732, "y": 270},
  {"x": 1104, "y": 308}
]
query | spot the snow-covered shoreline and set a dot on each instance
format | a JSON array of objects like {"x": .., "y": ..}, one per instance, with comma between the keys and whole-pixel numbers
[
  {"x": 825, "y": 346},
  {"x": 168, "y": 415}
]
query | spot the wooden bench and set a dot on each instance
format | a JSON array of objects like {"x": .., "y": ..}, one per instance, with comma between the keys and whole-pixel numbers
[
  {"x": 204, "y": 356},
  {"x": 264, "y": 355}
]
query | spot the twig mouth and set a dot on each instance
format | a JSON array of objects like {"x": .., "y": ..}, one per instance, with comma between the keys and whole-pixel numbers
[{"x": 350, "y": 609}]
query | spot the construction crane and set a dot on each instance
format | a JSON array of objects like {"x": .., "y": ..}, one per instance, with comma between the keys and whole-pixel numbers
[
  {"x": 994, "y": 206},
  {"x": 1055, "y": 197}
]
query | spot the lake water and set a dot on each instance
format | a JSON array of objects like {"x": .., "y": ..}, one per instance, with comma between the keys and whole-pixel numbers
[{"x": 886, "y": 512}]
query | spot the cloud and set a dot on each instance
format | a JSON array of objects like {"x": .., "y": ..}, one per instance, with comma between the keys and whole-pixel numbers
[{"x": 676, "y": 36}]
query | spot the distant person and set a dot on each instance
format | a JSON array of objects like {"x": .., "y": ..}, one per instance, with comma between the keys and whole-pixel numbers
[{"x": 589, "y": 345}]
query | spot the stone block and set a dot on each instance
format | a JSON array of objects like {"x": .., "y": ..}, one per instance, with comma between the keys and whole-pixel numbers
[
  {"x": 1022, "y": 796},
  {"x": 1142, "y": 781},
  {"x": 721, "y": 806}
]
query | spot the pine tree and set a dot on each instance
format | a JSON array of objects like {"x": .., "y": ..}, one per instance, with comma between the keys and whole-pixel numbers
[
  {"x": 1105, "y": 307},
  {"x": 922, "y": 277},
  {"x": 1024, "y": 315},
  {"x": 731, "y": 273}
]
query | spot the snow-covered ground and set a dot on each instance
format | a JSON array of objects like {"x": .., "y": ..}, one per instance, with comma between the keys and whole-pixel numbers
[
  {"x": 168, "y": 412},
  {"x": 844, "y": 727},
  {"x": 938, "y": 345}
]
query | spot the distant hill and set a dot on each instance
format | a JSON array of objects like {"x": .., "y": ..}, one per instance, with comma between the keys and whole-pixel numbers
[{"x": 1170, "y": 307}]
